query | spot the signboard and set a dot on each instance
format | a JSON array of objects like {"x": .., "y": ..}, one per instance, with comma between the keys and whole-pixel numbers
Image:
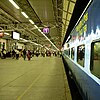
[
  {"x": 46, "y": 30},
  {"x": 16, "y": 35}
]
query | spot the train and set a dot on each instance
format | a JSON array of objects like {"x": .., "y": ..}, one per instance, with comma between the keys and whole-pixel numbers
[{"x": 81, "y": 52}]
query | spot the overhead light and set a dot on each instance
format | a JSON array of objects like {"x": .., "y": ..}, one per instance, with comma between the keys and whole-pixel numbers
[
  {"x": 24, "y": 14},
  {"x": 46, "y": 48},
  {"x": 36, "y": 26},
  {"x": 39, "y": 30},
  {"x": 14, "y": 4},
  {"x": 6, "y": 33},
  {"x": 31, "y": 21}
]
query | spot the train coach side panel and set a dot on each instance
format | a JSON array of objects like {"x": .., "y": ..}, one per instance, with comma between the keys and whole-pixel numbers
[{"x": 90, "y": 90}]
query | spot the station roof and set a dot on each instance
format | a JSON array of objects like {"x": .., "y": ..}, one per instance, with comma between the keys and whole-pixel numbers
[{"x": 59, "y": 16}]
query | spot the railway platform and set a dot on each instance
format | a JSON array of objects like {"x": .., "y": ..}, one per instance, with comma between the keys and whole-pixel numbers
[{"x": 41, "y": 78}]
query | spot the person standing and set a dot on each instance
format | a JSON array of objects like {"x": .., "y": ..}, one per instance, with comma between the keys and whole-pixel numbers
[
  {"x": 24, "y": 54},
  {"x": 28, "y": 54},
  {"x": 4, "y": 53},
  {"x": 17, "y": 54},
  {"x": 13, "y": 54}
]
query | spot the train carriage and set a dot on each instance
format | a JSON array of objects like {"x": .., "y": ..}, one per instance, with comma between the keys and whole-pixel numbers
[{"x": 82, "y": 52}]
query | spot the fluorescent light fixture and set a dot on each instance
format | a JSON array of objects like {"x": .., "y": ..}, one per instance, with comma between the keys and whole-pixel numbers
[
  {"x": 35, "y": 43},
  {"x": 39, "y": 30},
  {"x": 24, "y": 14},
  {"x": 14, "y": 4},
  {"x": 40, "y": 45},
  {"x": 47, "y": 48},
  {"x": 36, "y": 26},
  {"x": 23, "y": 39},
  {"x": 31, "y": 21},
  {"x": 6, "y": 33}
]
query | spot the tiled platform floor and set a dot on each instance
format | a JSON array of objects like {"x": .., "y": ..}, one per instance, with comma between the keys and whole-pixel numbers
[{"x": 41, "y": 78}]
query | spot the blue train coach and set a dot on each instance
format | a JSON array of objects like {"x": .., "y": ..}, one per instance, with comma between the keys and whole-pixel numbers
[{"x": 82, "y": 52}]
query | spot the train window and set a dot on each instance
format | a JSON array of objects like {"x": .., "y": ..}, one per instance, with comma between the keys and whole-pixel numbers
[
  {"x": 67, "y": 52},
  {"x": 95, "y": 59},
  {"x": 72, "y": 53},
  {"x": 80, "y": 54}
]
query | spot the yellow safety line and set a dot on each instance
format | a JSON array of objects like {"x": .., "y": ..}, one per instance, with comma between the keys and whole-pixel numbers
[{"x": 19, "y": 98}]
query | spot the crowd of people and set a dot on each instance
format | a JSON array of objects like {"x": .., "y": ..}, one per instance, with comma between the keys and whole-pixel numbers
[{"x": 16, "y": 54}]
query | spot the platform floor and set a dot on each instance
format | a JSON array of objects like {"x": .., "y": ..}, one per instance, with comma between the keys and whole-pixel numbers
[{"x": 41, "y": 78}]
